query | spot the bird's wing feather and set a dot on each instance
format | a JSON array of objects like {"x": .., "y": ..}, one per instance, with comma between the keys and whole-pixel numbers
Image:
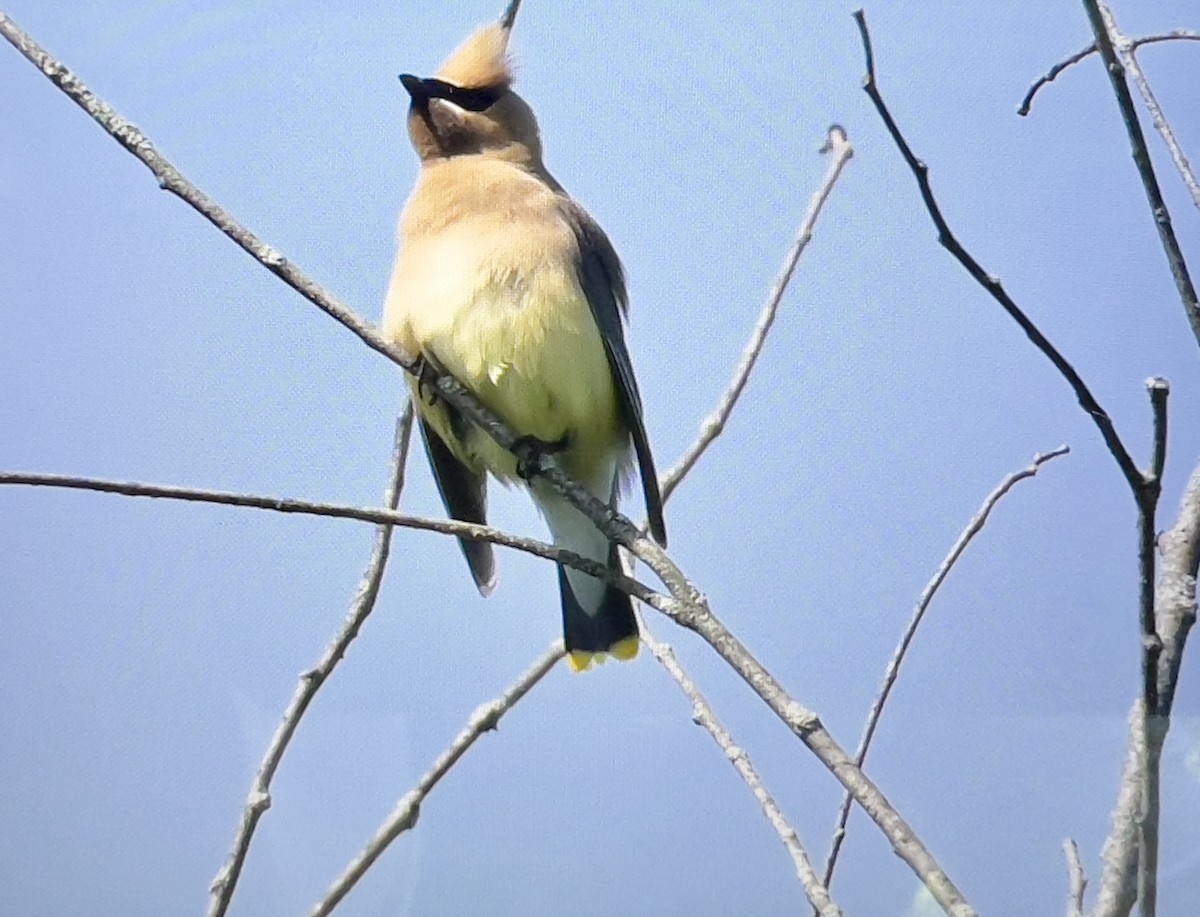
[
  {"x": 603, "y": 282},
  {"x": 464, "y": 493}
]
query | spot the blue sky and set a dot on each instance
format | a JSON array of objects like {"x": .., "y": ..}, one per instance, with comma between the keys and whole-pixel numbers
[{"x": 147, "y": 648}]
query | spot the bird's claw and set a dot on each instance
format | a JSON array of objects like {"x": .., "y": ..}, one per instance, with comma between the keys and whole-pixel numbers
[
  {"x": 529, "y": 451},
  {"x": 427, "y": 376}
]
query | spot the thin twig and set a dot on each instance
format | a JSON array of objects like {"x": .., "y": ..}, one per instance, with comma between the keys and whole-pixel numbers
[
  {"x": 1053, "y": 72},
  {"x": 687, "y": 607},
  {"x": 703, "y": 716},
  {"x": 1145, "y": 488},
  {"x": 1141, "y": 158},
  {"x": 931, "y": 588},
  {"x": 485, "y": 718},
  {"x": 259, "y": 799},
  {"x": 989, "y": 282},
  {"x": 1076, "y": 877},
  {"x": 1050, "y": 76},
  {"x": 379, "y": 516},
  {"x": 1128, "y": 50},
  {"x": 1147, "y": 498},
  {"x": 172, "y": 180},
  {"x": 1159, "y": 388},
  {"x": 712, "y": 427},
  {"x": 695, "y": 614}
]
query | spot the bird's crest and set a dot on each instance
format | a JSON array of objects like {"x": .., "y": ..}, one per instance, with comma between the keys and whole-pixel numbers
[{"x": 482, "y": 60}]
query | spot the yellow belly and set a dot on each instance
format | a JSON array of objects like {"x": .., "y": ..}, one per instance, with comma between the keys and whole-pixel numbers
[{"x": 525, "y": 342}]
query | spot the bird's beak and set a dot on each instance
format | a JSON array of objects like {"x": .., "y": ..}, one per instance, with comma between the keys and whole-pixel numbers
[{"x": 415, "y": 87}]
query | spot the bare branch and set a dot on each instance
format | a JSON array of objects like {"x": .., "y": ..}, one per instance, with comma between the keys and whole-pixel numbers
[
  {"x": 1117, "y": 891},
  {"x": 1147, "y": 713},
  {"x": 172, "y": 180},
  {"x": 338, "y": 511},
  {"x": 259, "y": 799},
  {"x": 695, "y": 615},
  {"x": 1076, "y": 877},
  {"x": 1175, "y": 596},
  {"x": 1175, "y": 600},
  {"x": 1163, "y": 126},
  {"x": 1140, "y": 784},
  {"x": 1159, "y": 388},
  {"x": 1154, "y": 717},
  {"x": 837, "y": 144},
  {"x": 893, "y": 667},
  {"x": 689, "y": 608},
  {"x": 1141, "y": 157},
  {"x": 703, "y": 716},
  {"x": 1051, "y": 75},
  {"x": 1173, "y": 35},
  {"x": 1147, "y": 499},
  {"x": 1148, "y": 824},
  {"x": 687, "y": 605},
  {"x": 1131, "y": 851},
  {"x": 989, "y": 282},
  {"x": 1127, "y": 48},
  {"x": 485, "y": 718},
  {"x": 1053, "y": 72}
]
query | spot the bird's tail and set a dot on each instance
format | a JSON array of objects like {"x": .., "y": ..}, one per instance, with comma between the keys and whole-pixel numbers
[
  {"x": 597, "y": 617},
  {"x": 608, "y": 629}
]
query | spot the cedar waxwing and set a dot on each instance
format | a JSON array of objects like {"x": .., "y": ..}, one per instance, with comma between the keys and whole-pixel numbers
[{"x": 506, "y": 283}]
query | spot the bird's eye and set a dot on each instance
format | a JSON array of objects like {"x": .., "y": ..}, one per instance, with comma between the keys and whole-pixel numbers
[
  {"x": 472, "y": 99},
  {"x": 476, "y": 100}
]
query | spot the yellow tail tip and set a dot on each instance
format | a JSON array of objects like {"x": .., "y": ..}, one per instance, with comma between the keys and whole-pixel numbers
[
  {"x": 581, "y": 660},
  {"x": 625, "y": 649}
]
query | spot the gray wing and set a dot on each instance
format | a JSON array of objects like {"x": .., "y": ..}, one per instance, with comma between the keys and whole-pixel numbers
[
  {"x": 603, "y": 282},
  {"x": 464, "y": 494}
]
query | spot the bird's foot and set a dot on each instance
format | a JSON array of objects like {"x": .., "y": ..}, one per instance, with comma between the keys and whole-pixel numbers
[
  {"x": 427, "y": 376},
  {"x": 529, "y": 451}
]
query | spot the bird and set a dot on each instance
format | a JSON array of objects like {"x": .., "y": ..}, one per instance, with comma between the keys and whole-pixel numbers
[{"x": 506, "y": 283}]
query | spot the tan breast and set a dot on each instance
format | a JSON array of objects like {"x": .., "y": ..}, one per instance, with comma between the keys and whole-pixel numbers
[{"x": 487, "y": 284}]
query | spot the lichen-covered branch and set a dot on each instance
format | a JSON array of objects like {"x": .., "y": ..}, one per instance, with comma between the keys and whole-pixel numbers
[{"x": 1141, "y": 158}]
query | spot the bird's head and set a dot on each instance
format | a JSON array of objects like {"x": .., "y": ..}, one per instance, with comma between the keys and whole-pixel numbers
[{"x": 469, "y": 106}]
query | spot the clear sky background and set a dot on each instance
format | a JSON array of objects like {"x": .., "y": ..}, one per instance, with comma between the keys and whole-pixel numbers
[{"x": 147, "y": 648}]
